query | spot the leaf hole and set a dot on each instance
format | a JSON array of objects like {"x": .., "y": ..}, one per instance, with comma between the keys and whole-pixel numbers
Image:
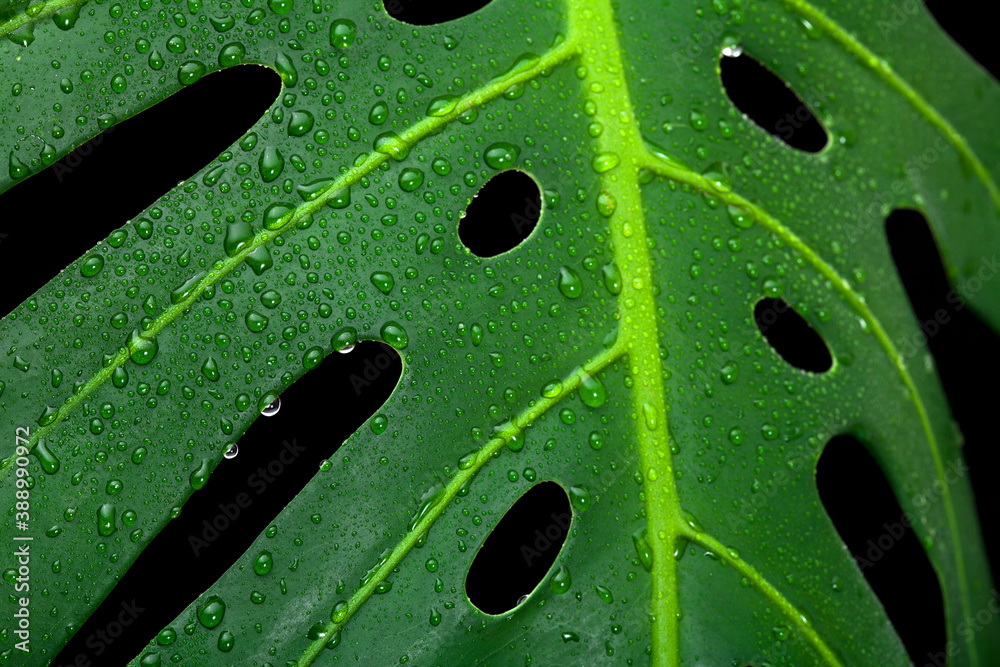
[
  {"x": 771, "y": 103},
  {"x": 965, "y": 349},
  {"x": 431, "y": 12},
  {"x": 277, "y": 457},
  {"x": 521, "y": 549},
  {"x": 791, "y": 336},
  {"x": 502, "y": 214},
  {"x": 61, "y": 212},
  {"x": 860, "y": 502}
]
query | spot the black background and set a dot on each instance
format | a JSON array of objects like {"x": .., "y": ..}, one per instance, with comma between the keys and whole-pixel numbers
[{"x": 965, "y": 350}]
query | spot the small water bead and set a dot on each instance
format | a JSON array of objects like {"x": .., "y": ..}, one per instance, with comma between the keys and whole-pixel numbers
[
  {"x": 280, "y": 7},
  {"x": 92, "y": 266},
  {"x": 394, "y": 335},
  {"x": 199, "y": 477},
  {"x": 379, "y": 113},
  {"x": 729, "y": 373},
  {"x": 343, "y": 32},
  {"x": 142, "y": 350},
  {"x": 262, "y": 563},
  {"x": 389, "y": 143},
  {"x": 642, "y": 549},
  {"x": 604, "y": 162},
  {"x": 560, "y": 581},
  {"x": 278, "y": 215},
  {"x": 410, "y": 179},
  {"x": 255, "y": 321},
  {"x": 605, "y": 594},
  {"x": 226, "y": 641},
  {"x": 570, "y": 284},
  {"x": 612, "y": 278},
  {"x": 185, "y": 290},
  {"x": 442, "y": 106},
  {"x": 552, "y": 389},
  {"x": 312, "y": 358},
  {"x": 596, "y": 440},
  {"x": 232, "y": 54},
  {"x": 383, "y": 281},
  {"x": 606, "y": 204},
  {"x": 271, "y": 164},
  {"x": 501, "y": 155},
  {"x": 211, "y": 613},
  {"x": 579, "y": 496},
  {"x": 190, "y": 72},
  {"x": 48, "y": 460},
  {"x": 300, "y": 123},
  {"x": 345, "y": 340},
  {"x": 232, "y": 451},
  {"x": 379, "y": 424},
  {"x": 592, "y": 390},
  {"x": 106, "y": 519},
  {"x": 441, "y": 166},
  {"x": 271, "y": 408},
  {"x": 431, "y": 565},
  {"x": 717, "y": 175}
]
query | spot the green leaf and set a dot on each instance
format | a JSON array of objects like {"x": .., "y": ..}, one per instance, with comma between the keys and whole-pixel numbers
[{"x": 169, "y": 345}]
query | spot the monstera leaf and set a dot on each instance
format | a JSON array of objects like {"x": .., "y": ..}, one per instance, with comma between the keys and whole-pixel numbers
[{"x": 614, "y": 351}]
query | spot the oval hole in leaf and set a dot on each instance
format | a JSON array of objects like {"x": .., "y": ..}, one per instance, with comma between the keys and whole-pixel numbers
[
  {"x": 770, "y": 103},
  {"x": 502, "y": 214},
  {"x": 868, "y": 518},
  {"x": 431, "y": 12},
  {"x": 277, "y": 457},
  {"x": 520, "y": 550},
  {"x": 950, "y": 330},
  {"x": 78, "y": 201},
  {"x": 791, "y": 336}
]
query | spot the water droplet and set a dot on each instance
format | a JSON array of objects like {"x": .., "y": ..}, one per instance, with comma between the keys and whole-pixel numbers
[
  {"x": 106, "y": 519},
  {"x": 46, "y": 458},
  {"x": 232, "y": 451},
  {"x": 569, "y": 283},
  {"x": 560, "y": 581},
  {"x": 142, "y": 350},
  {"x": 604, "y": 162},
  {"x": 342, "y": 33},
  {"x": 642, "y": 549},
  {"x": 271, "y": 408},
  {"x": 394, "y": 335},
  {"x": 190, "y": 72},
  {"x": 199, "y": 477},
  {"x": 592, "y": 391},
  {"x": 92, "y": 266},
  {"x": 442, "y": 106},
  {"x": 262, "y": 563},
  {"x": 211, "y": 613},
  {"x": 410, "y": 179},
  {"x": 300, "y": 123},
  {"x": 501, "y": 155}
]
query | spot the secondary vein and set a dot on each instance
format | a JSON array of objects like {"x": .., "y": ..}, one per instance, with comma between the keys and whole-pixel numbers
[
  {"x": 680, "y": 174},
  {"x": 426, "y": 127},
  {"x": 462, "y": 478},
  {"x": 885, "y": 72}
]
